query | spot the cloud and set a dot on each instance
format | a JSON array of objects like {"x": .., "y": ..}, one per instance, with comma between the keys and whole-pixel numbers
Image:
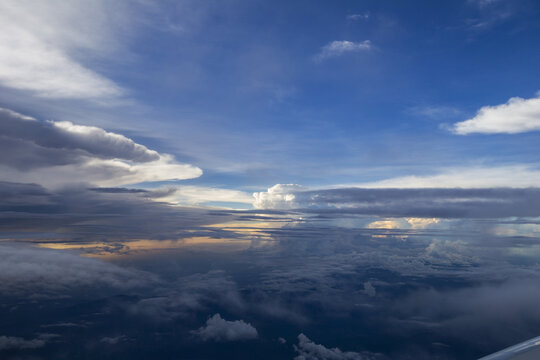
[
  {"x": 34, "y": 272},
  {"x": 478, "y": 311},
  {"x": 338, "y": 48},
  {"x": 369, "y": 289},
  {"x": 113, "y": 340},
  {"x": 518, "y": 115},
  {"x": 40, "y": 45},
  {"x": 279, "y": 196},
  {"x": 483, "y": 3},
  {"x": 219, "y": 329},
  {"x": 108, "y": 216},
  {"x": 308, "y": 350},
  {"x": 515, "y": 176},
  {"x": 435, "y": 111},
  {"x": 362, "y": 16},
  {"x": 406, "y": 202},
  {"x": 11, "y": 342},
  {"x": 449, "y": 253},
  {"x": 59, "y": 153},
  {"x": 196, "y": 195}
]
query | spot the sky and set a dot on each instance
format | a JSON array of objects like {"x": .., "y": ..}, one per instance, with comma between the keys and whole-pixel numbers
[{"x": 291, "y": 179}]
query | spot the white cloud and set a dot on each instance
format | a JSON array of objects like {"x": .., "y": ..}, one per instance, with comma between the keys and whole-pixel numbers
[
  {"x": 337, "y": 48},
  {"x": 279, "y": 196},
  {"x": 308, "y": 350},
  {"x": 518, "y": 115},
  {"x": 196, "y": 195},
  {"x": 12, "y": 342},
  {"x": 219, "y": 329},
  {"x": 516, "y": 176},
  {"x": 61, "y": 153},
  {"x": 40, "y": 43}
]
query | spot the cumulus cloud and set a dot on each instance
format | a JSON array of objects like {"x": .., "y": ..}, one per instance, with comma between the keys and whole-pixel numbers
[
  {"x": 279, "y": 196},
  {"x": 219, "y": 329},
  {"x": 446, "y": 252},
  {"x": 59, "y": 153},
  {"x": 41, "y": 44},
  {"x": 338, "y": 48},
  {"x": 12, "y": 342},
  {"x": 518, "y": 115},
  {"x": 308, "y": 350}
]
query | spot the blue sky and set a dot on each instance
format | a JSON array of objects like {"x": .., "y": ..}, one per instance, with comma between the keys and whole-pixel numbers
[{"x": 259, "y": 93}]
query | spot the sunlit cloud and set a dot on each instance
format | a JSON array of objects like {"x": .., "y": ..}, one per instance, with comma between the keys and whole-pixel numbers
[
  {"x": 518, "y": 115},
  {"x": 61, "y": 153},
  {"x": 41, "y": 44},
  {"x": 200, "y": 195}
]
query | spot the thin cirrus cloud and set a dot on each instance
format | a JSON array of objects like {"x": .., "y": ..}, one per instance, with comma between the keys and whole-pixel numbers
[
  {"x": 40, "y": 44},
  {"x": 62, "y": 153},
  {"x": 362, "y": 16},
  {"x": 518, "y": 115},
  {"x": 341, "y": 47}
]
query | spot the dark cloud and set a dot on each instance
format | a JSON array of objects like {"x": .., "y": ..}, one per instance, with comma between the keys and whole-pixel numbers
[
  {"x": 58, "y": 153},
  {"x": 41, "y": 273},
  {"x": 219, "y": 329},
  {"x": 13, "y": 342},
  {"x": 113, "y": 340},
  {"x": 79, "y": 214},
  {"x": 309, "y": 350},
  {"x": 38, "y": 143}
]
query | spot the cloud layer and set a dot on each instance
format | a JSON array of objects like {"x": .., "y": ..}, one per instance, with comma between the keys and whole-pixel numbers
[
  {"x": 41, "y": 273},
  {"x": 416, "y": 202}
]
